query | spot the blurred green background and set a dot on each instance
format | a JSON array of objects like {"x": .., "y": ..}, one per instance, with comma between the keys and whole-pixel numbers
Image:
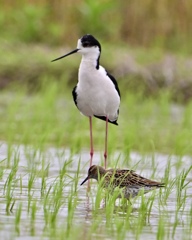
[
  {"x": 146, "y": 45},
  {"x": 161, "y": 23}
]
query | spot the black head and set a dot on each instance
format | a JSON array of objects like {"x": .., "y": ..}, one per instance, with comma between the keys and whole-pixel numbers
[
  {"x": 87, "y": 46},
  {"x": 89, "y": 41}
]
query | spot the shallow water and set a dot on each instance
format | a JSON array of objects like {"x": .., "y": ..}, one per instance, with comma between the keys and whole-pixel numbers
[{"x": 31, "y": 160}]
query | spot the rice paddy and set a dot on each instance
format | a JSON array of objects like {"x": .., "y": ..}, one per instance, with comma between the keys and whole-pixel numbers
[{"x": 44, "y": 157}]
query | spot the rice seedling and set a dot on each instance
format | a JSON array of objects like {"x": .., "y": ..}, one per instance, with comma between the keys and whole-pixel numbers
[
  {"x": 18, "y": 218},
  {"x": 42, "y": 173},
  {"x": 72, "y": 203},
  {"x": 182, "y": 188},
  {"x": 30, "y": 185},
  {"x": 10, "y": 183},
  {"x": 33, "y": 217},
  {"x": 2, "y": 163},
  {"x": 98, "y": 199},
  {"x": 161, "y": 228}
]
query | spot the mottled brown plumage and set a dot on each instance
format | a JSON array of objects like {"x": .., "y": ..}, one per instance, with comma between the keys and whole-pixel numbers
[{"x": 127, "y": 180}]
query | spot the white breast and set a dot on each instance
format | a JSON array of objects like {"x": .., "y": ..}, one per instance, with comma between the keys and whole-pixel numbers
[{"x": 96, "y": 93}]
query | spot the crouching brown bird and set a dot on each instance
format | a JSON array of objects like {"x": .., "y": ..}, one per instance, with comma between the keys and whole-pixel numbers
[{"x": 126, "y": 180}]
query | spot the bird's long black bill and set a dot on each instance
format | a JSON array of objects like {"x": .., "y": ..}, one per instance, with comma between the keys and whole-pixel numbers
[
  {"x": 84, "y": 181},
  {"x": 72, "y": 52}
]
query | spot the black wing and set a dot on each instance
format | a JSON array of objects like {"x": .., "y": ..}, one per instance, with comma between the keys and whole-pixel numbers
[
  {"x": 104, "y": 119},
  {"x": 74, "y": 93},
  {"x": 114, "y": 82}
]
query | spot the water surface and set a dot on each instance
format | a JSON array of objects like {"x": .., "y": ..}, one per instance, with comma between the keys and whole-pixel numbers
[{"x": 45, "y": 166}]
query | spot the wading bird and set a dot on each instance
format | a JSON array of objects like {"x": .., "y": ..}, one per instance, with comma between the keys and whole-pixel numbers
[
  {"x": 126, "y": 180},
  {"x": 96, "y": 93}
]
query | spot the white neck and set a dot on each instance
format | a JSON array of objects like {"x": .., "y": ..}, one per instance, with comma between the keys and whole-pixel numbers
[
  {"x": 89, "y": 55},
  {"x": 89, "y": 61}
]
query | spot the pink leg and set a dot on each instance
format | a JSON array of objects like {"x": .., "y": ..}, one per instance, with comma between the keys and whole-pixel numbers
[
  {"x": 106, "y": 139},
  {"x": 91, "y": 150},
  {"x": 91, "y": 141}
]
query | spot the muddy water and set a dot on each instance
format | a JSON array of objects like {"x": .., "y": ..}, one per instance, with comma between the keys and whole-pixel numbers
[{"x": 151, "y": 166}]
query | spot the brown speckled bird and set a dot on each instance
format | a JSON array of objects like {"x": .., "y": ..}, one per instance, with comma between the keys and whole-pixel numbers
[{"x": 127, "y": 180}]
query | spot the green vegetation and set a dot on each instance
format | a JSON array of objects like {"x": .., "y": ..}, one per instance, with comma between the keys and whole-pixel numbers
[
  {"x": 161, "y": 23},
  {"x": 148, "y": 43},
  {"x": 45, "y": 141},
  {"x": 45, "y": 186},
  {"x": 50, "y": 117},
  {"x": 65, "y": 210}
]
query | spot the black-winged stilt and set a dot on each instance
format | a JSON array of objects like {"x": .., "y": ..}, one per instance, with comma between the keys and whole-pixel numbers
[{"x": 96, "y": 93}]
